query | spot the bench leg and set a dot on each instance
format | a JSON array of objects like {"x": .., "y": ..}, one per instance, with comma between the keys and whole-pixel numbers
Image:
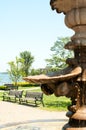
[
  {"x": 3, "y": 98},
  {"x": 15, "y": 99},
  {"x": 35, "y": 102},
  {"x": 8, "y": 99},
  {"x": 42, "y": 103},
  {"x": 19, "y": 101}
]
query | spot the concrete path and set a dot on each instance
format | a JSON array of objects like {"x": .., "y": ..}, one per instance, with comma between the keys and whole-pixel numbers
[{"x": 12, "y": 113}]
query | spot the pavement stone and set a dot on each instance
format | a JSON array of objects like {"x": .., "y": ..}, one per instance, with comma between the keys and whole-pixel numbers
[{"x": 15, "y": 114}]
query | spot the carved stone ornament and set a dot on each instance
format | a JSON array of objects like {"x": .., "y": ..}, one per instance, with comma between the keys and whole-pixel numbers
[
  {"x": 67, "y": 5},
  {"x": 71, "y": 81},
  {"x": 56, "y": 77}
]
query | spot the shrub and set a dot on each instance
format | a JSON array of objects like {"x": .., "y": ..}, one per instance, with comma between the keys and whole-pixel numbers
[
  {"x": 3, "y": 87},
  {"x": 26, "y": 84}
]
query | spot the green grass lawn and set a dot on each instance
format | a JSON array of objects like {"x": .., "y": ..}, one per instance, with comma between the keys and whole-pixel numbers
[
  {"x": 52, "y": 103},
  {"x": 1, "y": 94}
]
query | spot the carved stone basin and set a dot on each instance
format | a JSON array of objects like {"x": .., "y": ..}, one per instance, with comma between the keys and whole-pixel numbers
[{"x": 65, "y": 74}]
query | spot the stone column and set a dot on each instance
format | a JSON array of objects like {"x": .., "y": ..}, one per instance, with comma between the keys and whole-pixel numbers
[{"x": 75, "y": 18}]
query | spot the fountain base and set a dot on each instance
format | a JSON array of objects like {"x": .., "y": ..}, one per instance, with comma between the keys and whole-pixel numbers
[
  {"x": 76, "y": 128},
  {"x": 68, "y": 127}
]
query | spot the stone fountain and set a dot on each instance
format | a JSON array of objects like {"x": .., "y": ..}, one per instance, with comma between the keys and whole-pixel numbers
[{"x": 71, "y": 81}]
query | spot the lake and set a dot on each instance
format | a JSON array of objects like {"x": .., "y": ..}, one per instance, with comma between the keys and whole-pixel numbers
[{"x": 4, "y": 78}]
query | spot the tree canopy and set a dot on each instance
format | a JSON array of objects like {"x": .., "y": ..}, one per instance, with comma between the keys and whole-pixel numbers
[
  {"x": 20, "y": 67},
  {"x": 26, "y": 60},
  {"x": 14, "y": 71},
  {"x": 59, "y": 54}
]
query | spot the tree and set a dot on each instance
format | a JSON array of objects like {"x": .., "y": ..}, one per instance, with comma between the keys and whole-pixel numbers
[
  {"x": 38, "y": 71},
  {"x": 26, "y": 60},
  {"x": 14, "y": 71},
  {"x": 60, "y": 54}
]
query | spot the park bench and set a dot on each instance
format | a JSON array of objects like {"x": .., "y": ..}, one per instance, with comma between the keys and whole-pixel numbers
[
  {"x": 10, "y": 86},
  {"x": 32, "y": 97},
  {"x": 12, "y": 95}
]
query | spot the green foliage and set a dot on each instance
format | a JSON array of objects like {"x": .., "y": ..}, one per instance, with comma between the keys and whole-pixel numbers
[
  {"x": 37, "y": 71},
  {"x": 26, "y": 60},
  {"x": 26, "y": 84},
  {"x": 3, "y": 87},
  {"x": 14, "y": 71},
  {"x": 23, "y": 84},
  {"x": 20, "y": 67},
  {"x": 34, "y": 72},
  {"x": 59, "y": 54},
  {"x": 1, "y": 94}
]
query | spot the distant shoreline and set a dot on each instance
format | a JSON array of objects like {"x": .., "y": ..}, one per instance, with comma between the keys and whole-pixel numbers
[{"x": 4, "y": 78}]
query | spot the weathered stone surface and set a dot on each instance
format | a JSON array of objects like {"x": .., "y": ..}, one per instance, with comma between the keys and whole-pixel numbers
[
  {"x": 67, "y": 5},
  {"x": 63, "y": 75}
]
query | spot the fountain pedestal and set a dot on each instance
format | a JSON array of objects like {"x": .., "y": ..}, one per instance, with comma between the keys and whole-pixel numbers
[{"x": 75, "y": 18}]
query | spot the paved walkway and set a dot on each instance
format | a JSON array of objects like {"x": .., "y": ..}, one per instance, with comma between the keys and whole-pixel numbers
[{"x": 12, "y": 113}]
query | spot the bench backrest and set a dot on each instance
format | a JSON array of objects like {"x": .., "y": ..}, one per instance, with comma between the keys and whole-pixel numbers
[
  {"x": 19, "y": 94},
  {"x": 10, "y": 86},
  {"x": 12, "y": 92},
  {"x": 34, "y": 94},
  {"x": 16, "y": 93}
]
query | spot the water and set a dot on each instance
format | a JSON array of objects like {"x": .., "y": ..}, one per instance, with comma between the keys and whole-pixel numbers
[{"x": 4, "y": 78}]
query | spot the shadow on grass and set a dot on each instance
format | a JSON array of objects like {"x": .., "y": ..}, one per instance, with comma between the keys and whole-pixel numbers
[{"x": 58, "y": 105}]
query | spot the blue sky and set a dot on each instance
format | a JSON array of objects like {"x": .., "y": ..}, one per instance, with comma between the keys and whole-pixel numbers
[{"x": 29, "y": 25}]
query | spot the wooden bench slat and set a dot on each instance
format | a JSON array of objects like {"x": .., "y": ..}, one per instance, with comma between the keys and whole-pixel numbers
[
  {"x": 12, "y": 94},
  {"x": 34, "y": 96},
  {"x": 10, "y": 86}
]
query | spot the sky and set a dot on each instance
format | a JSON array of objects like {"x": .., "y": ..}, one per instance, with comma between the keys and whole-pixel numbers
[{"x": 29, "y": 25}]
